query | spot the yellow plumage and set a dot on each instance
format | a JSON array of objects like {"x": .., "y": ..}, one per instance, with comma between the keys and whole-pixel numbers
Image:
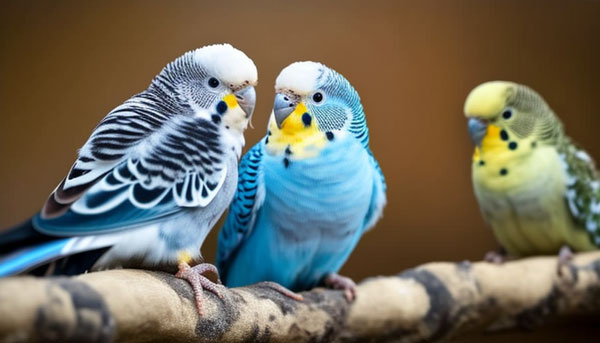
[
  {"x": 235, "y": 118},
  {"x": 303, "y": 140},
  {"x": 488, "y": 99},
  {"x": 518, "y": 176}
]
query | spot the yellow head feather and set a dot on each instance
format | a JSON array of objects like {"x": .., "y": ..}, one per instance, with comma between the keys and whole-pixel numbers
[{"x": 488, "y": 99}]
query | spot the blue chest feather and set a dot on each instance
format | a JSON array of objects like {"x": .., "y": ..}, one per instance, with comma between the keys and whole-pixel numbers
[
  {"x": 324, "y": 192},
  {"x": 313, "y": 214}
]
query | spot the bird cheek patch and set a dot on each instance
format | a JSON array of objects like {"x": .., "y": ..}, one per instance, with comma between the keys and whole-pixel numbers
[
  {"x": 228, "y": 102},
  {"x": 306, "y": 119},
  {"x": 221, "y": 107}
]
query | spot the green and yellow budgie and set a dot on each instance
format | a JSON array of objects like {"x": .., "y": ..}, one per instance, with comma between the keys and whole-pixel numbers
[{"x": 538, "y": 190}]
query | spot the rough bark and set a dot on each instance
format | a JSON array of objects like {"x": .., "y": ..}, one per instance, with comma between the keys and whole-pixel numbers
[{"x": 432, "y": 302}]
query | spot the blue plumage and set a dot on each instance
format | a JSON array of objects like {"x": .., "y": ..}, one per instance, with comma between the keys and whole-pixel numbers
[
  {"x": 29, "y": 258},
  {"x": 308, "y": 191}
]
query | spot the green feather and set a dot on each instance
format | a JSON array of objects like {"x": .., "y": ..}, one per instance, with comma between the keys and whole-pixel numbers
[{"x": 583, "y": 188}]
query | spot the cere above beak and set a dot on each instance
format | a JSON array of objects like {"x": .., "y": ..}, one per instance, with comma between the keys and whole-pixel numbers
[
  {"x": 246, "y": 98},
  {"x": 282, "y": 108},
  {"x": 477, "y": 130}
]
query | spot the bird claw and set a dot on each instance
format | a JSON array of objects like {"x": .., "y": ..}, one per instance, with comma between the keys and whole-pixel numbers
[
  {"x": 336, "y": 281},
  {"x": 284, "y": 291},
  {"x": 565, "y": 257},
  {"x": 194, "y": 276},
  {"x": 495, "y": 257}
]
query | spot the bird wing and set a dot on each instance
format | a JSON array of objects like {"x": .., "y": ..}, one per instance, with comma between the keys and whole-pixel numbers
[
  {"x": 248, "y": 199},
  {"x": 142, "y": 163},
  {"x": 583, "y": 189},
  {"x": 378, "y": 198}
]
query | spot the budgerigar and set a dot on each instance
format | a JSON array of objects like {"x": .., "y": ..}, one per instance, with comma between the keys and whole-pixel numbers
[
  {"x": 537, "y": 189},
  {"x": 152, "y": 179},
  {"x": 307, "y": 191}
]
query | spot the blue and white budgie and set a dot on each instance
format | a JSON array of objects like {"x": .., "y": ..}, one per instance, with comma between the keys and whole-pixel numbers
[
  {"x": 153, "y": 178},
  {"x": 307, "y": 191}
]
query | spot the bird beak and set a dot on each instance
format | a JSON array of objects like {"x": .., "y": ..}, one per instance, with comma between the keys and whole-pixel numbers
[
  {"x": 246, "y": 98},
  {"x": 282, "y": 108},
  {"x": 477, "y": 130}
]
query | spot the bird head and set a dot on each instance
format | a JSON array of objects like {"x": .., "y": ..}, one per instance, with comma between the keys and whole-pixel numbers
[
  {"x": 313, "y": 105},
  {"x": 504, "y": 114},
  {"x": 213, "y": 79}
]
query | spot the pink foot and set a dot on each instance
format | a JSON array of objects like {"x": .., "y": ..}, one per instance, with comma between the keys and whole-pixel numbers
[
  {"x": 279, "y": 288},
  {"x": 496, "y": 257},
  {"x": 565, "y": 257},
  {"x": 199, "y": 282},
  {"x": 336, "y": 281}
]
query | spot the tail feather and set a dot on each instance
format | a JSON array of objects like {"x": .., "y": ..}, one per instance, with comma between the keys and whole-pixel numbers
[
  {"x": 25, "y": 259},
  {"x": 20, "y": 237},
  {"x": 24, "y": 250},
  {"x": 70, "y": 265}
]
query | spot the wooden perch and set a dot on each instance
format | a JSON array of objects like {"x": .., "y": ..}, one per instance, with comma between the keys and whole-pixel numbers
[{"x": 431, "y": 302}]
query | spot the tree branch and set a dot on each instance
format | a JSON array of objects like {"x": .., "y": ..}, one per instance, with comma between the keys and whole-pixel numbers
[{"x": 431, "y": 302}]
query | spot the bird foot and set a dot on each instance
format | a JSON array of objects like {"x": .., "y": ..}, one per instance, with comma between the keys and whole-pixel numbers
[
  {"x": 336, "y": 281},
  {"x": 194, "y": 276},
  {"x": 284, "y": 291},
  {"x": 565, "y": 257},
  {"x": 496, "y": 257}
]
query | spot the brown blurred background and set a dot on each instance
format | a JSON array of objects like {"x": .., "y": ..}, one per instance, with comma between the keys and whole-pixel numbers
[{"x": 65, "y": 64}]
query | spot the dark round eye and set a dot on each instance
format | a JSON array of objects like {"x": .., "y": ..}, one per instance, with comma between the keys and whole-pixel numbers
[
  {"x": 507, "y": 114},
  {"x": 214, "y": 83},
  {"x": 317, "y": 97}
]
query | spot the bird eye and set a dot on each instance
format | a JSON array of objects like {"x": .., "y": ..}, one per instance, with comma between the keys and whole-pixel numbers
[
  {"x": 507, "y": 114},
  {"x": 317, "y": 97},
  {"x": 214, "y": 83}
]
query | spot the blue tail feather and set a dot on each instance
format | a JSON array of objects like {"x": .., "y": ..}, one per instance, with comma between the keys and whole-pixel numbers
[
  {"x": 25, "y": 250},
  {"x": 28, "y": 258},
  {"x": 20, "y": 237}
]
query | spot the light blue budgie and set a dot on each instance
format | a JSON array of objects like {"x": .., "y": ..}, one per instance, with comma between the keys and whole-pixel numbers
[
  {"x": 307, "y": 191},
  {"x": 151, "y": 181}
]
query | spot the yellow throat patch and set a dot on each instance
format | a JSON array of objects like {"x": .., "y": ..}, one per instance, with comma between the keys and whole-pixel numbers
[
  {"x": 234, "y": 117},
  {"x": 230, "y": 100},
  {"x": 491, "y": 142},
  {"x": 503, "y": 160},
  {"x": 298, "y": 137}
]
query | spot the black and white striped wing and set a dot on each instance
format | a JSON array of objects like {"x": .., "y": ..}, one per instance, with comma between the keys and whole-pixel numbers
[
  {"x": 112, "y": 141},
  {"x": 142, "y": 163}
]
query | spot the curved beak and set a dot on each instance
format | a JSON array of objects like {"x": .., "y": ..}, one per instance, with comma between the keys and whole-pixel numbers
[
  {"x": 477, "y": 130},
  {"x": 246, "y": 98},
  {"x": 282, "y": 108}
]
